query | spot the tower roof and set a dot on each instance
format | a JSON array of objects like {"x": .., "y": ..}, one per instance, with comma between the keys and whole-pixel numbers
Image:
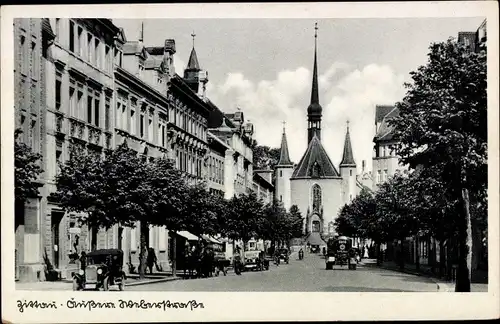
[
  {"x": 284, "y": 156},
  {"x": 193, "y": 61},
  {"x": 315, "y": 163},
  {"x": 347, "y": 157},
  {"x": 314, "y": 107}
]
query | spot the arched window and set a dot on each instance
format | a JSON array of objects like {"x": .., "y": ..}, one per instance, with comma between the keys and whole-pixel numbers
[
  {"x": 316, "y": 197},
  {"x": 315, "y": 226}
]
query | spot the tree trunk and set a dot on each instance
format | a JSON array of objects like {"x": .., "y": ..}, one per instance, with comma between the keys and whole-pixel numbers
[
  {"x": 143, "y": 254},
  {"x": 93, "y": 237},
  {"x": 477, "y": 244},
  {"x": 449, "y": 258},
  {"x": 465, "y": 256},
  {"x": 402, "y": 255},
  {"x": 173, "y": 257},
  {"x": 442, "y": 258},
  {"x": 417, "y": 252},
  {"x": 380, "y": 259},
  {"x": 243, "y": 252}
]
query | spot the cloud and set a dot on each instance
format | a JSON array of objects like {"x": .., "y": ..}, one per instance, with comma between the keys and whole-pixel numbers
[
  {"x": 345, "y": 93},
  {"x": 179, "y": 65}
]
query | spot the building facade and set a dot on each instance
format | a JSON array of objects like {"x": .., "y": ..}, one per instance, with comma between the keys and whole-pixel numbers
[
  {"x": 160, "y": 115},
  {"x": 32, "y": 37},
  {"x": 70, "y": 96},
  {"x": 385, "y": 161}
]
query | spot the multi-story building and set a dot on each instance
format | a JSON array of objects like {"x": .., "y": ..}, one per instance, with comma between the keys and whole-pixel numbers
[
  {"x": 160, "y": 114},
  {"x": 79, "y": 117},
  {"x": 385, "y": 161},
  {"x": 238, "y": 161},
  {"x": 32, "y": 38},
  {"x": 263, "y": 186},
  {"x": 65, "y": 69},
  {"x": 216, "y": 164},
  {"x": 475, "y": 41}
]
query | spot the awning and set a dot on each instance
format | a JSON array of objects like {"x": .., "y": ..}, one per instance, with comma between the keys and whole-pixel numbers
[
  {"x": 315, "y": 239},
  {"x": 188, "y": 236}
]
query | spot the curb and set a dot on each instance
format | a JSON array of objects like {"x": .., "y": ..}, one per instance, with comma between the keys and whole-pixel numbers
[{"x": 140, "y": 283}]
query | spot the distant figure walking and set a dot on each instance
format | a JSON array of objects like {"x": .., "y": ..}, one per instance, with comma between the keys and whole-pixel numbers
[
  {"x": 365, "y": 254},
  {"x": 151, "y": 259}
]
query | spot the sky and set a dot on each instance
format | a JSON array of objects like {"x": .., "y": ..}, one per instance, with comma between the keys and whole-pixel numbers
[{"x": 264, "y": 67}]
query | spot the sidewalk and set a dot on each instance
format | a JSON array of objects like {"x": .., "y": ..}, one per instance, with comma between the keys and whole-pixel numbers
[
  {"x": 425, "y": 271},
  {"x": 66, "y": 284}
]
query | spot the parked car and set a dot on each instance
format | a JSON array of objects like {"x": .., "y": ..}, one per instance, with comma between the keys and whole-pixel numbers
[
  {"x": 284, "y": 255},
  {"x": 255, "y": 260},
  {"x": 103, "y": 269}
]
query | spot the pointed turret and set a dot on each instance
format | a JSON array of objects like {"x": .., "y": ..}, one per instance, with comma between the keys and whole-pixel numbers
[
  {"x": 194, "y": 75},
  {"x": 284, "y": 156},
  {"x": 314, "y": 110},
  {"x": 193, "y": 64},
  {"x": 347, "y": 157}
]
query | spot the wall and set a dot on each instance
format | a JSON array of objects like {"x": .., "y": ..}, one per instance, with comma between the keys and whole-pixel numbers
[
  {"x": 283, "y": 185},
  {"x": 301, "y": 196}
]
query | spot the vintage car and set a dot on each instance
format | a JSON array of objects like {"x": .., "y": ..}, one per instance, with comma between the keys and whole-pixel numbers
[
  {"x": 340, "y": 252},
  {"x": 103, "y": 268},
  {"x": 284, "y": 255},
  {"x": 255, "y": 260}
]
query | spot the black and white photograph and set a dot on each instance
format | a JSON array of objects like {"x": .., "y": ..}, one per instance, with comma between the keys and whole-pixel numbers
[{"x": 206, "y": 153}]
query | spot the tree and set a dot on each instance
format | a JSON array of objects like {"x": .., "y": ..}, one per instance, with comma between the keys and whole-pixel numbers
[
  {"x": 244, "y": 217},
  {"x": 296, "y": 222},
  {"x": 104, "y": 191},
  {"x": 394, "y": 211},
  {"x": 122, "y": 189},
  {"x": 203, "y": 211},
  {"x": 27, "y": 169},
  {"x": 265, "y": 157},
  {"x": 442, "y": 123}
]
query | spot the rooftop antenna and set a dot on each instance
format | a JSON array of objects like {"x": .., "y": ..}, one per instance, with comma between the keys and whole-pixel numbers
[
  {"x": 141, "y": 35},
  {"x": 284, "y": 123}
]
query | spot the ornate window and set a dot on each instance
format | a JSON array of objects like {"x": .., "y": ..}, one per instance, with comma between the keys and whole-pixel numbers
[
  {"x": 315, "y": 226},
  {"x": 316, "y": 197}
]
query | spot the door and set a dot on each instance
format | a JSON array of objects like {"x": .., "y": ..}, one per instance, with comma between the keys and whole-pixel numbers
[{"x": 56, "y": 248}]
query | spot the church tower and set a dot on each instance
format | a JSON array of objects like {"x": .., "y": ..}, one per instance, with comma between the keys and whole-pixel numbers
[
  {"x": 348, "y": 170},
  {"x": 194, "y": 75},
  {"x": 314, "y": 111},
  {"x": 283, "y": 173}
]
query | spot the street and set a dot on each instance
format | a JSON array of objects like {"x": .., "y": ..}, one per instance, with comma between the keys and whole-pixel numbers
[{"x": 307, "y": 275}]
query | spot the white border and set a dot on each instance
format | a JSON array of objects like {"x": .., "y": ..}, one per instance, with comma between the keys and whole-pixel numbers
[{"x": 257, "y": 306}]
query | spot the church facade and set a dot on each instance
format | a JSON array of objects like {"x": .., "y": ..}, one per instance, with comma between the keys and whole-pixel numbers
[{"x": 315, "y": 184}]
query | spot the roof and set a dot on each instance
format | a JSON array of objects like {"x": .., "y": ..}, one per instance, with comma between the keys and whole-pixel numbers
[
  {"x": 315, "y": 162},
  {"x": 284, "y": 156},
  {"x": 134, "y": 47},
  {"x": 216, "y": 117},
  {"x": 315, "y": 239},
  {"x": 152, "y": 63},
  {"x": 347, "y": 157},
  {"x": 193, "y": 61},
  {"x": 385, "y": 132},
  {"x": 381, "y": 111},
  {"x": 155, "y": 50},
  {"x": 262, "y": 181}
]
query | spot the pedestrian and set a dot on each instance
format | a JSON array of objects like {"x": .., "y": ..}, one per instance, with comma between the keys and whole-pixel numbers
[
  {"x": 151, "y": 259},
  {"x": 83, "y": 260},
  {"x": 365, "y": 255},
  {"x": 237, "y": 261}
]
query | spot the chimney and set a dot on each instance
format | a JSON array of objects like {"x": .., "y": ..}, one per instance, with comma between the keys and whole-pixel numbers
[
  {"x": 363, "y": 164},
  {"x": 168, "y": 56}
]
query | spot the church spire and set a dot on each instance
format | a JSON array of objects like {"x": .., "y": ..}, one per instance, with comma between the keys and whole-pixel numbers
[
  {"x": 284, "y": 156},
  {"x": 347, "y": 157},
  {"x": 314, "y": 90},
  {"x": 314, "y": 110}
]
